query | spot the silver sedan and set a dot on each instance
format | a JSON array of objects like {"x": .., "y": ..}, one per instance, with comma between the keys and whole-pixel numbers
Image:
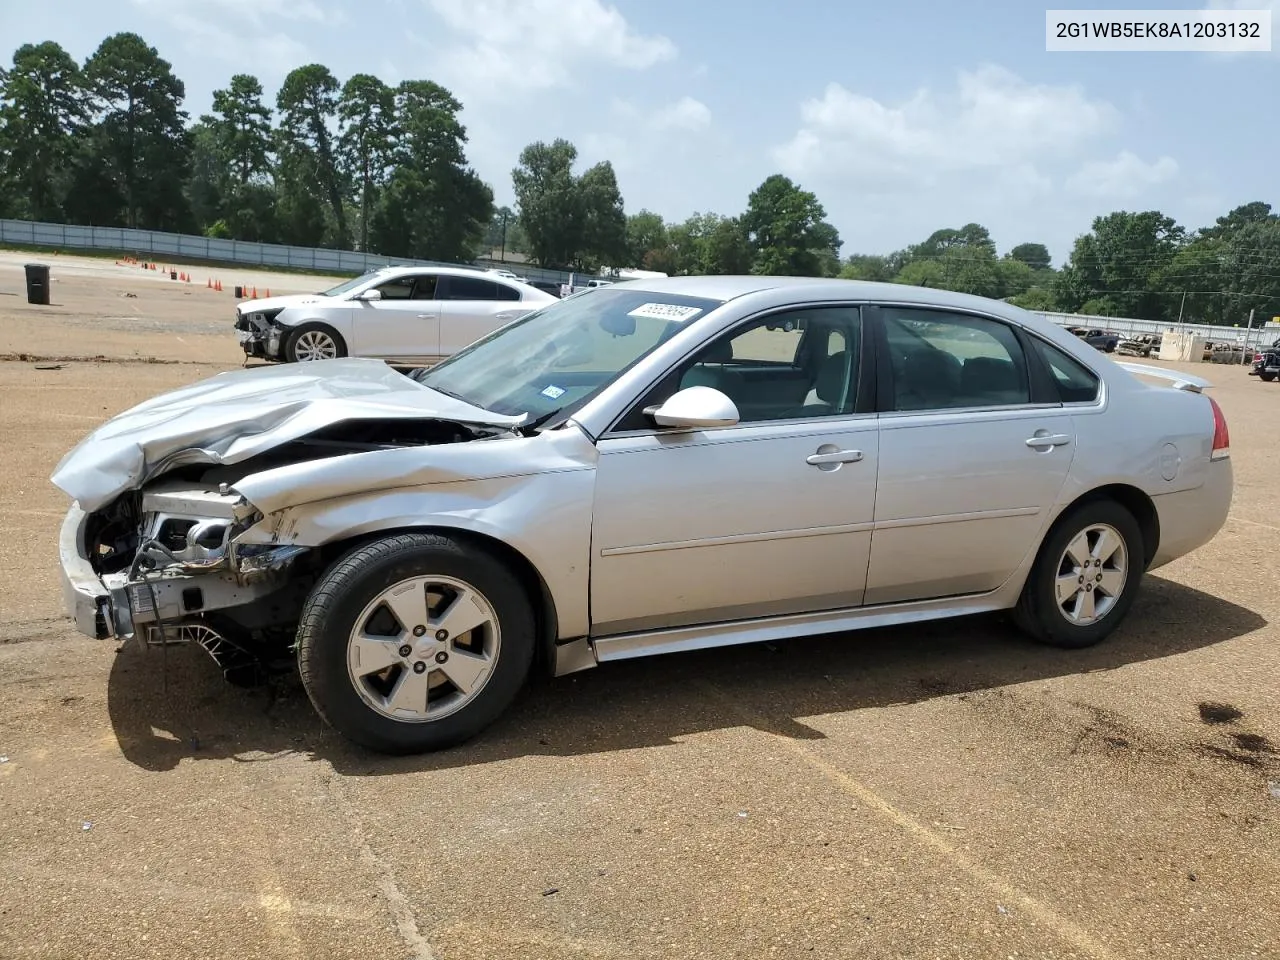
[{"x": 655, "y": 466}]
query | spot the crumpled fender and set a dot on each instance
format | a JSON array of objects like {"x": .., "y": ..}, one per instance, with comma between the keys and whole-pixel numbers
[{"x": 537, "y": 501}]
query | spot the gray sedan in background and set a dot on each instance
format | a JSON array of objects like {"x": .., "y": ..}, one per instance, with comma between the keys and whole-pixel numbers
[{"x": 656, "y": 466}]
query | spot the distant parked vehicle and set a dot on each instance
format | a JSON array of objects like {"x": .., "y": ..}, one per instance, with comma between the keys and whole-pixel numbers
[
  {"x": 409, "y": 315},
  {"x": 1266, "y": 362},
  {"x": 1142, "y": 345},
  {"x": 1103, "y": 340}
]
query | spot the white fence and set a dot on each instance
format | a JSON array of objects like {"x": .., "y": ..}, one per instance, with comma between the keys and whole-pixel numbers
[
  {"x": 176, "y": 246},
  {"x": 179, "y": 246},
  {"x": 1262, "y": 331}
]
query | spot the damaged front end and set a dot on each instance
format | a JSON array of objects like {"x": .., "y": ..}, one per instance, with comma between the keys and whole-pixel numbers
[
  {"x": 162, "y": 566},
  {"x": 259, "y": 334}
]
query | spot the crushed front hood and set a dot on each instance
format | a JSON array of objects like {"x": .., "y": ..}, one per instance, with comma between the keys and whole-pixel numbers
[{"x": 240, "y": 414}]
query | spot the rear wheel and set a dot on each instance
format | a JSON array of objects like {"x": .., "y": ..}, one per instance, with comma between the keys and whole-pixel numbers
[
  {"x": 415, "y": 643},
  {"x": 1268, "y": 377},
  {"x": 314, "y": 341},
  {"x": 1085, "y": 578}
]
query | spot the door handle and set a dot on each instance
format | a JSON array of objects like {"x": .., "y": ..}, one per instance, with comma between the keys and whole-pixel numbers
[
  {"x": 838, "y": 456},
  {"x": 425, "y": 316},
  {"x": 505, "y": 316},
  {"x": 1048, "y": 442}
]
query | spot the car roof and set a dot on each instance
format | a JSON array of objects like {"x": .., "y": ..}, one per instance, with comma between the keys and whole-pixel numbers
[
  {"x": 725, "y": 288},
  {"x": 431, "y": 268}
]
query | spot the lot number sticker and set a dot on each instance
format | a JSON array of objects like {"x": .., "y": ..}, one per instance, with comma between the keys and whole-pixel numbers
[
  {"x": 665, "y": 311},
  {"x": 553, "y": 392}
]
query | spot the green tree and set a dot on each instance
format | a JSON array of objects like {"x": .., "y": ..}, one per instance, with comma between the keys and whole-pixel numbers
[
  {"x": 604, "y": 221},
  {"x": 367, "y": 110},
  {"x": 1034, "y": 255},
  {"x": 1035, "y": 298},
  {"x": 434, "y": 207},
  {"x": 547, "y": 196},
  {"x": 646, "y": 232},
  {"x": 1120, "y": 264},
  {"x": 242, "y": 123},
  {"x": 788, "y": 230},
  {"x": 308, "y": 102},
  {"x": 42, "y": 111},
  {"x": 725, "y": 247},
  {"x": 141, "y": 137},
  {"x": 1240, "y": 217},
  {"x": 504, "y": 233},
  {"x": 863, "y": 266}
]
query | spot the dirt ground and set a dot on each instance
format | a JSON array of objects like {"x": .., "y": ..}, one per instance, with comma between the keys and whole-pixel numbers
[{"x": 937, "y": 791}]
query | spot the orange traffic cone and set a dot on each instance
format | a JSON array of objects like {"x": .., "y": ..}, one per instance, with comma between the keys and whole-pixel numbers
[
  {"x": 266, "y": 294},
  {"x": 255, "y": 293},
  {"x": 218, "y": 286}
]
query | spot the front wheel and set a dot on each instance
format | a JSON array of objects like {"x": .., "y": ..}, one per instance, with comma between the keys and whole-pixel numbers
[
  {"x": 314, "y": 341},
  {"x": 415, "y": 642},
  {"x": 1085, "y": 578}
]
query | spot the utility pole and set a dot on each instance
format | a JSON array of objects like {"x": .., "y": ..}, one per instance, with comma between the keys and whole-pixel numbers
[
  {"x": 1180, "y": 309},
  {"x": 1248, "y": 331},
  {"x": 503, "y": 255}
]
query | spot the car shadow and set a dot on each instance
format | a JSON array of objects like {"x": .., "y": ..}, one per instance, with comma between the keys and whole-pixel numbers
[{"x": 168, "y": 706}]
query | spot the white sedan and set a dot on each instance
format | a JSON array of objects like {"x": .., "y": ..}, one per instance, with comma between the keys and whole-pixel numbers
[{"x": 406, "y": 315}]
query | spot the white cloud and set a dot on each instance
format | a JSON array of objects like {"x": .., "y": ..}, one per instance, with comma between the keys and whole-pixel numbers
[
  {"x": 685, "y": 115},
  {"x": 993, "y": 119},
  {"x": 514, "y": 46},
  {"x": 246, "y": 13},
  {"x": 1124, "y": 177},
  {"x": 993, "y": 148},
  {"x": 241, "y": 31}
]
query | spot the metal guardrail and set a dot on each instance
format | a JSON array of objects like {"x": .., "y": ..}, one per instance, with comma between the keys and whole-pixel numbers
[
  {"x": 1262, "y": 332},
  {"x": 351, "y": 262},
  {"x": 154, "y": 243}
]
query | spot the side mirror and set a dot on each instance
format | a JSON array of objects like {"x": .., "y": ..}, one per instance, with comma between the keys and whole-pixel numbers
[
  {"x": 694, "y": 408},
  {"x": 369, "y": 295}
]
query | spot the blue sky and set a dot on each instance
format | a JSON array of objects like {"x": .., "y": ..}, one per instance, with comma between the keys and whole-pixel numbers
[{"x": 902, "y": 117}]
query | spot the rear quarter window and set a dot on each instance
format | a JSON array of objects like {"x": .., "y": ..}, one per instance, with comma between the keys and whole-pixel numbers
[{"x": 1076, "y": 383}]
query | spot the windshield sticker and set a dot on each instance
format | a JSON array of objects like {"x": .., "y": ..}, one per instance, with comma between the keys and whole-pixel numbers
[
  {"x": 665, "y": 311},
  {"x": 553, "y": 392}
]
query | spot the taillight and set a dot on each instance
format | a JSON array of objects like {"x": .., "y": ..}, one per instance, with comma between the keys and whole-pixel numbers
[
  {"x": 1221, "y": 435},
  {"x": 1257, "y": 358}
]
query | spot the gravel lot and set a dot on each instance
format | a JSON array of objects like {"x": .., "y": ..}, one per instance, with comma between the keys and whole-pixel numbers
[{"x": 937, "y": 791}]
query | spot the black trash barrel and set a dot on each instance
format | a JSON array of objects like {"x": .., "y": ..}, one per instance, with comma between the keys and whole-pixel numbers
[{"x": 38, "y": 283}]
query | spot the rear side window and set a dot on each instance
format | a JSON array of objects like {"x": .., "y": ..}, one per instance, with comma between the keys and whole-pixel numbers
[
  {"x": 1076, "y": 383},
  {"x": 474, "y": 288}
]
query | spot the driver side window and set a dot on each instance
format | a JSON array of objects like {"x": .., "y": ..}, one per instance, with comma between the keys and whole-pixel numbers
[
  {"x": 400, "y": 288},
  {"x": 797, "y": 364}
]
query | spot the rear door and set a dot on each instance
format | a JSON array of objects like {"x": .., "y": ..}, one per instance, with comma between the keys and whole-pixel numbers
[
  {"x": 975, "y": 447},
  {"x": 471, "y": 307}
]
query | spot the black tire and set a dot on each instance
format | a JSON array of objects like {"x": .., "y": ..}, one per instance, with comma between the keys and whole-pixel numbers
[
  {"x": 290, "y": 349},
  {"x": 1037, "y": 612},
  {"x": 329, "y": 615},
  {"x": 1267, "y": 377}
]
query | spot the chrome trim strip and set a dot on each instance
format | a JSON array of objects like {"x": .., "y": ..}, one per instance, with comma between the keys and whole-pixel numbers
[{"x": 739, "y": 538}]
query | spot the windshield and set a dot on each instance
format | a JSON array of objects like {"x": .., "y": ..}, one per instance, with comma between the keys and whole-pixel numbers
[
  {"x": 562, "y": 355},
  {"x": 349, "y": 285}
]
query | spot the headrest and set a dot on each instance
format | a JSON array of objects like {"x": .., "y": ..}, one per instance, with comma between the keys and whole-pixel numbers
[
  {"x": 831, "y": 379},
  {"x": 719, "y": 351}
]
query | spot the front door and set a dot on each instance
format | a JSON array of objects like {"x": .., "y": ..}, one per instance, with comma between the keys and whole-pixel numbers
[
  {"x": 971, "y": 460},
  {"x": 404, "y": 324},
  {"x": 769, "y": 517}
]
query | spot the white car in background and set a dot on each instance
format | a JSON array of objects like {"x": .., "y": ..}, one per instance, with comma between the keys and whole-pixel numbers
[{"x": 404, "y": 315}]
